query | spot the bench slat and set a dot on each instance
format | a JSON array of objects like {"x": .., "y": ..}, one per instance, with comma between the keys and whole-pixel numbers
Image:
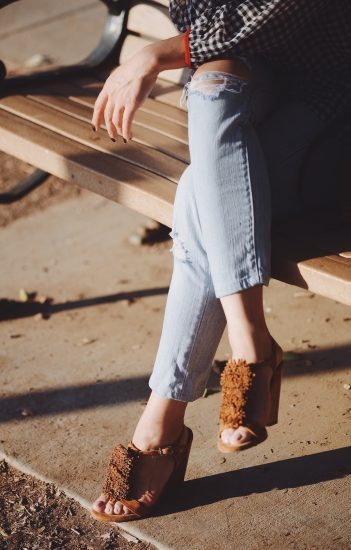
[
  {"x": 85, "y": 90},
  {"x": 150, "y": 21},
  {"x": 324, "y": 275},
  {"x": 141, "y": 118},
  {"x": 306, "y": 253},
  {"x": 79, "y": 130},
  {"x": 107, "y": 175}
]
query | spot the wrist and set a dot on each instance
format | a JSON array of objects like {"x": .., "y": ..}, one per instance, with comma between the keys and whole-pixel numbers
[
  {"x": 168, "y": 53},
  {"x": 150, "y": 61},
  {"x": 153, "y": 63}
]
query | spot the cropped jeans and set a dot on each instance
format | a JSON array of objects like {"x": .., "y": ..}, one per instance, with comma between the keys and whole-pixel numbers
[{"x": 246, "y": 148}]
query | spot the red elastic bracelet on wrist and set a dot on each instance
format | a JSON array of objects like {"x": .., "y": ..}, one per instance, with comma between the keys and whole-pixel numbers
[{"x": 186, "y": 48}]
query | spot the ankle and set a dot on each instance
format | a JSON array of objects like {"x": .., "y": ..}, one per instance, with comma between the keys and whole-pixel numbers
[
  {"x": 148, "y": 436},
  {"x": 160, "y": 424},
  {"x": 254, "y": 346}
]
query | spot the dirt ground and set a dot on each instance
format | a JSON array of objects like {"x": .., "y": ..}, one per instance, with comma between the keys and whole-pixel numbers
[{"x": 35, "y": 516}]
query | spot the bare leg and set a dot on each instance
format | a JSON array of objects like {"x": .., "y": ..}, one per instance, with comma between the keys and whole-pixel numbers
[
  {"x": 161, "y": 422},
  {"x": 248, "y": 333}
]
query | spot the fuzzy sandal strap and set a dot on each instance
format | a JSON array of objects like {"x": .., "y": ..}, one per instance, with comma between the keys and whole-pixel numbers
[
  {"x": 118, "y": 480},
  {"x": 236, "y": 380}
]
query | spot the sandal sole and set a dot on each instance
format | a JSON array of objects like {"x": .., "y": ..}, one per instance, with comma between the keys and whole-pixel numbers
[
  {"x": 114, "y": 518},
  {"x": 223, "y": 448}
]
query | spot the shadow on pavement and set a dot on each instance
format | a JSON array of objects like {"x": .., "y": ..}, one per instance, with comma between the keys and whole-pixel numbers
[
  {"x": 104, "y": 393},
  {"x": 304, "y": 362},
  {"x": 281, "y": 475},
  {"x": 14, "y": 309},
  {"x": 73, "y": 398}
]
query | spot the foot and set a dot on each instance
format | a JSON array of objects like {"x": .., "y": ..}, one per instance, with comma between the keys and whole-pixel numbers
[
  {"x": 259, "y": 397},
  {"x": 151, "y": 476}
]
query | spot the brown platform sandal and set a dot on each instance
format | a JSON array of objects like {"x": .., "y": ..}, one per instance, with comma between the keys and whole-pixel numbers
[
  {"x": 242, "y": 384},
  {"x": 121, "y": 469}
]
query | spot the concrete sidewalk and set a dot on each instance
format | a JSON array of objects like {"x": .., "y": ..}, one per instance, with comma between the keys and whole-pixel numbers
[{"x": 73, "y": 384}]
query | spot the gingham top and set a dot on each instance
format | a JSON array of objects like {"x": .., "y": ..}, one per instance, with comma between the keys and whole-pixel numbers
[{"x": 308, "y": 42}]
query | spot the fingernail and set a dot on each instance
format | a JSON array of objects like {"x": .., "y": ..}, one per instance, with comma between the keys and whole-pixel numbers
[
  {"x": 93, "y": 128},
  {"x": 125, "y": 141},
  {"x": 113, "y": 139}
]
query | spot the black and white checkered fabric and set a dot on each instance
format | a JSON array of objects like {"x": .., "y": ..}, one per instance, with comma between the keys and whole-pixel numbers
[{"x": 308, "y": 42}]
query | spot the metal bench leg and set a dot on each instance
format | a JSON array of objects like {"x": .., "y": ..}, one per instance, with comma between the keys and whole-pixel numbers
[{"x": 24, "y": 187}]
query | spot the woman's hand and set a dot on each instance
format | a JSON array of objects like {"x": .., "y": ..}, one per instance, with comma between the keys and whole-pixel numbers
[
  {"x": 124, "y": 91},
  {"x": 130, "y": 83}
]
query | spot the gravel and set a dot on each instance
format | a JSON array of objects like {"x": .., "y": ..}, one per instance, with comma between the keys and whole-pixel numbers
[{"x": 35, "y": 515}]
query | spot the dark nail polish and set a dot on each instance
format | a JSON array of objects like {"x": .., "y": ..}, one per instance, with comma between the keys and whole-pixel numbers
[
  {"x": 93, "y": 128},
  {"x": 113, "y": 139},
  {"x": 125, "y": 141}
]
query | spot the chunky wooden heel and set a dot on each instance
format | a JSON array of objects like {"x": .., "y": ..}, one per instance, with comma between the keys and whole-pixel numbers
[
  {"x": 179, "y": 472},
  {"x": 120, "y": 481},
  {"x": 275, "y": 395},
  {"x": 242, "y": 386}
]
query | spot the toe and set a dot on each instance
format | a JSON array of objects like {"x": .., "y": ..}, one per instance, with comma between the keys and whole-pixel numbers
[
  {"x": 118, "y": 508},
  {"x": 100, "y": 503},
  {"x": 109, "y": 507},
  {"x": 241, "y": 435},
  {"x": 235, "y": 437},
  {"x": 227, "y": 436},
  {"x": 245, "y": 435}
]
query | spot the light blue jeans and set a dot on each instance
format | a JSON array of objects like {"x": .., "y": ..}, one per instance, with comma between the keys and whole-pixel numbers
[{"x": 246, "y": 148}]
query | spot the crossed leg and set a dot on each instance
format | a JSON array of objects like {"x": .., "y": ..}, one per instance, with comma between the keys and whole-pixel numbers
[{"x": 199, "y": 304}]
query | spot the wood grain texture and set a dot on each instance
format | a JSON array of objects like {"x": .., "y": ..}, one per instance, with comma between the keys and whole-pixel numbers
[
  {"x": 77, "y": 163},
  {"x": 148, "y": 149}
]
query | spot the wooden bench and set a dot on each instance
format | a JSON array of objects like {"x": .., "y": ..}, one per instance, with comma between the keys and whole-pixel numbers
[{"x": 45, "y": 121}]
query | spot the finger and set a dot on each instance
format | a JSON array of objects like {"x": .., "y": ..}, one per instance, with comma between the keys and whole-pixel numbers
[
  {"x": 128, "y": 116},
  {"x": 117, "y": 119},
  {"x": 99, "y": 108},
  {"x": 108, "y": 114}
]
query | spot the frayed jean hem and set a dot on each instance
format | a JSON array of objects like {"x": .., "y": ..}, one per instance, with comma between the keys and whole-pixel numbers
[
  {"x": 176, "y": 394},
  {"x": 242, "y": 284}
]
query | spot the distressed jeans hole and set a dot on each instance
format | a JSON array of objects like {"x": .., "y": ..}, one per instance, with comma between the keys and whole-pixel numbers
[
  {"x": 179, "y": 250},
  {"x": 211, "y": 83}
]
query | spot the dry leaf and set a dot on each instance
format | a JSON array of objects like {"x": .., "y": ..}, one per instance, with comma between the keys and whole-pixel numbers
[
  {"x": 3, "y": 533},
  {"x": 86, "y": 341},
  {"x": 27, "y": 412},
  {"x": 23, "y": 295}
]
